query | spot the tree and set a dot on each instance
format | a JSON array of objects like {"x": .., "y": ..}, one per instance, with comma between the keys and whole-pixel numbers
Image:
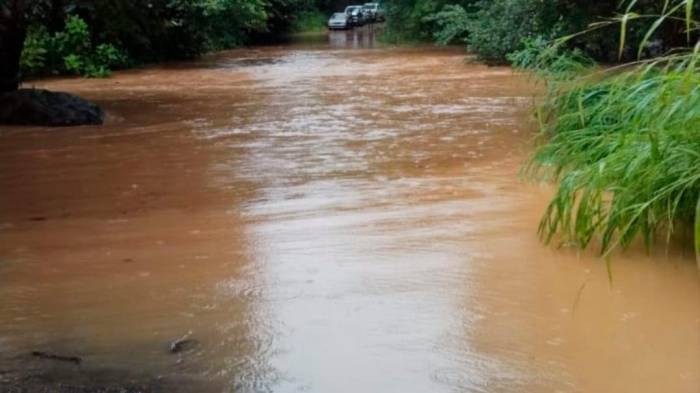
[
  {"x": 12, "y": 35},
  {"x": 15, "y": 15}
]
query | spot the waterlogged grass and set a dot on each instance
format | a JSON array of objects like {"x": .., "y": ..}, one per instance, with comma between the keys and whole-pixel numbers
[
  {"x": 625, "y": 151},
  {"x": 697, "y": 233},
  {"x": 623, "y": 145}
]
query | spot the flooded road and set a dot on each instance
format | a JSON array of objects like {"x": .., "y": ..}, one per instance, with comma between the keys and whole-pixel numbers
[{"x": 319, "y": 217}]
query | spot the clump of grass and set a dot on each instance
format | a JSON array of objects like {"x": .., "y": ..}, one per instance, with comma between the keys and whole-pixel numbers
[
  {"x": 697, "y": 233},
  {"x": 550, "y": 60},
  {"x": 309, "y": 22},
  {"x": 624, "y": 146}
]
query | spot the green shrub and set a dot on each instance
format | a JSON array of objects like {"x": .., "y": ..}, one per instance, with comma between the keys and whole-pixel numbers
[
  {"x": 36, "y": 50},
  {"x": 451, "y": 24},
  {"x": 500, "y": 26},
  {"x": 74, "y": 38},
  {"x": 69, "y": 51},
  {"x": 74, "y": 63},
  {"x": 110, "y": 56},
  {"x": 494, "y": 29},
  {"x": 309, "y": 21},
  {"x": 150, "y": 31},
  {"x": 424, "y": 20},
  {"x": 550, "y": 60}
]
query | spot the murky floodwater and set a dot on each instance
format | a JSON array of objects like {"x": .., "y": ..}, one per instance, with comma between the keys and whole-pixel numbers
[{"x": 321, "y": 218}]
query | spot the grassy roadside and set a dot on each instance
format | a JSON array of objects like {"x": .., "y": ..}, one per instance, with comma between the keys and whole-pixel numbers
[
  {"x": 622, "y": 144},
  {"x": 309, "y": 22}
]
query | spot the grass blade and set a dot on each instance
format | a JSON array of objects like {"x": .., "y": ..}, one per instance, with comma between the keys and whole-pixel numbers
[{"x": 697, "y": 233}]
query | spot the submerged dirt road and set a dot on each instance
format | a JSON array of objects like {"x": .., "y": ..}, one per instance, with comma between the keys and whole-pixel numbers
[{"x": 319, "y": 218}]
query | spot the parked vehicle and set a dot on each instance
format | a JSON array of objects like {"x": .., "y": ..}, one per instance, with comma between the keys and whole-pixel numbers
[
  {"x": 370, "y": 11},
  {"x": 355, "y": 14},
  {"x": 381, "y": 15},
  {"x": 339, "y": 20},
  {"x": 376, "y": 11}
]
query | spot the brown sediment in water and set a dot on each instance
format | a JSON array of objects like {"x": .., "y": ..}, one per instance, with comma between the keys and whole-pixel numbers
[{"x": 320, "y": 219}]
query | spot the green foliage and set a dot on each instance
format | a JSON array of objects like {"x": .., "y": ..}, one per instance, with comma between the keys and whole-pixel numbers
[
  {"x": 92, "y": 37},
  {"x": 418, "y": 20},
  {"x": 500, "y": 26},
  {"x": 111, "y": 56},
  {"x": 221, "y": 24},
  {"x": 69, "y": 51},
  {"x": 309, "y": 21},
  {"x": 624, "y": 147},
  {"x": 74, "y": 63},
  {"x": 36, "y": 51},
  {"x": 451, "y": 24},
  {"x": 75, "y": 37},
  {"x": 697, "y": 233},
  {"x": 493, "y": 29},
  {"x": 536, "y": 54},
  {"x": 550, "y": 60}
]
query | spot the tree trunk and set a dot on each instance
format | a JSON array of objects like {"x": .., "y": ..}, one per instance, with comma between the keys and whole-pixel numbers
[{"x": 12, "y": 35}]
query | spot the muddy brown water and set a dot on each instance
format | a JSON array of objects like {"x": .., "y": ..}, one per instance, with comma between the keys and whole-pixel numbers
[{"x": 321, "y": 217}]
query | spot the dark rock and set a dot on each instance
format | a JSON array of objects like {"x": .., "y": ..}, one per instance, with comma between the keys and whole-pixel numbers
[
  {"x": 47, "y": 108},
  {"x": 60, "y": 358},
  {"x": 183, "y": 345}
]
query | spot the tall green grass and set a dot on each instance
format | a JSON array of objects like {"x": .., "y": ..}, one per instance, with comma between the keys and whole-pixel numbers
[{"x": 623, "y": 145}]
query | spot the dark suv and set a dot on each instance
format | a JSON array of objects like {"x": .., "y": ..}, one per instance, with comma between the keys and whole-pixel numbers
[{"x": 355, "y": 15}]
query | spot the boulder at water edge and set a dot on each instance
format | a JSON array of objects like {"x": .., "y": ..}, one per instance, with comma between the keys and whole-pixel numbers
[{"x": 46, "y": 108}]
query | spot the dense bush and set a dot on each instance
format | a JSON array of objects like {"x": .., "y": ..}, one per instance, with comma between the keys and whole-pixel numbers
[
  {"x": 36, "y": 50},
  {"x": 169, "y": 29},
  {"x": 70, "y": 50},
  {"x": 549, "y": 60},
  {"x": 420, "y": 20},
  {"x": 495, "y": 28},
  {"x": 309, "y": 21},
  {"x": 452, "y": 24},
  {"x": 91, "y": 37},
  {"x": 491, "y": 28},
  {"x": 500, "y": 26}
]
